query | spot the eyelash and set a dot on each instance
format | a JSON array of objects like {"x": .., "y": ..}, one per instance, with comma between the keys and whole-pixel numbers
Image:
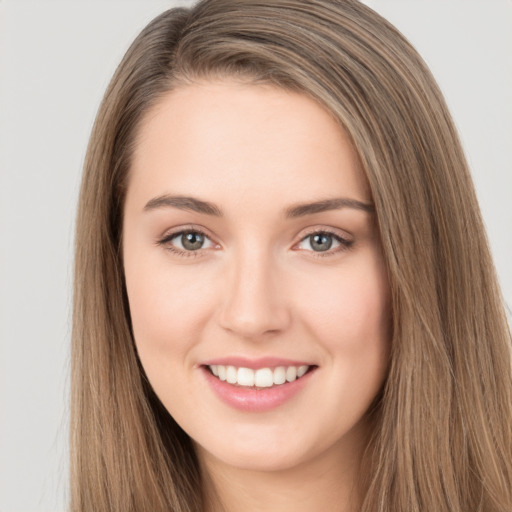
[
  {"x": 165, "y": 242},
  {"x": 344, "y": 243}
]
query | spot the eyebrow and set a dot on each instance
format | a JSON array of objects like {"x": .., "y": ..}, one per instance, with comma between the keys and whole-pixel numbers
[
  {"x": 183, "y": 203},
  {"x": 324, "y": 205},
  {"x": 299, "y": 210}
]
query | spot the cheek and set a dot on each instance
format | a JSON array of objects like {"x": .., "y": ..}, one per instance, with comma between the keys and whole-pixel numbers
[
  {"x": 352, "y": 322},
  {"x": 350, "y": 313},
  {"x": 168, "y": 308},
  {"x": 354, "y": 326}
]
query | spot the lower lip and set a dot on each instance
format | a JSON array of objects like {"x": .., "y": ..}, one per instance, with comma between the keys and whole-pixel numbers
[{"x": 255, "y": 400}]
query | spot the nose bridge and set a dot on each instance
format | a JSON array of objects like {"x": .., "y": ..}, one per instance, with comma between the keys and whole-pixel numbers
[{"x": 254, "y": 303}]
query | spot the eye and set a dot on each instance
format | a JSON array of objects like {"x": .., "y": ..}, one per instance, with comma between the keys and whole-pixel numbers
[
  {"x": 324, "y": 241},
  {"x": 187, "y": 241}
]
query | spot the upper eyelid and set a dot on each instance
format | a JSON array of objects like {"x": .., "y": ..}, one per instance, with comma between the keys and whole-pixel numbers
[
  {"x": 169, "y": 234},
  {"x": 339, "y": 233}
]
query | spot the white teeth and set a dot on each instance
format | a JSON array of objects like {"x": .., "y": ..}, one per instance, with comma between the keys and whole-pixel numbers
[
  {"x": 291, "y": 373},
  {"x": 231, "y": 374},
  {"x": 245, "y": 377},
  {"x": 302, "y": 370},
  {"x": 261, "y": 378},
  {"x": 280, "y": 375}
]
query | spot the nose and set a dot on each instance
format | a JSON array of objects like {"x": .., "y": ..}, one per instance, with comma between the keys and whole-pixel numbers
[{"x": 254, "y": 303}]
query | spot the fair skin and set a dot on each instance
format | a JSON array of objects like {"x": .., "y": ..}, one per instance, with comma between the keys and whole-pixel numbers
[{"x": 253, "y": 280}]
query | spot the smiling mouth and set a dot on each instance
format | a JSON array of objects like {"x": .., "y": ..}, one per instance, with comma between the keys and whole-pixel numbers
[{"x": 261, "y": 378}]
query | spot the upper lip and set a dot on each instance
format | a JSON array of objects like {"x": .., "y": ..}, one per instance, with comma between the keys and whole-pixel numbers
[{"x": 254, "y": 364}]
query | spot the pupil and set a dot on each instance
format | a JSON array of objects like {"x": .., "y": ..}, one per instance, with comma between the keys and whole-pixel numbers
[
  {"x": 192, "y": 241},
  {"x": 321, "y": 242}
]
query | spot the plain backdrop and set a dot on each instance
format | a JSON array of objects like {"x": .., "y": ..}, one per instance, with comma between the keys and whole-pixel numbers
[{"x": 56, "y": 58}]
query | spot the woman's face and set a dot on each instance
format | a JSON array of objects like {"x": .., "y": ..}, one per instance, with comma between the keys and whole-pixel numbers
[{"x": 251, "y": 256}]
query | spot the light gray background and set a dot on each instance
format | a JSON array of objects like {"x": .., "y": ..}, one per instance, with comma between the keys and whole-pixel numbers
[{"x": 56, "y": 58}]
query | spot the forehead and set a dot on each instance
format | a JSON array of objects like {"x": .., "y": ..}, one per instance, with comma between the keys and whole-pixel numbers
[{"x": 244, "y": 141}]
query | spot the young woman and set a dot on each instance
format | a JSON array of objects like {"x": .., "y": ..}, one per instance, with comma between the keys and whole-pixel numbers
[{"x": 284, "y": 298}]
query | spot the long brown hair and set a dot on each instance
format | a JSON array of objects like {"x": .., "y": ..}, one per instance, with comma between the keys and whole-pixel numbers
[{"x": 443, "y": 424}]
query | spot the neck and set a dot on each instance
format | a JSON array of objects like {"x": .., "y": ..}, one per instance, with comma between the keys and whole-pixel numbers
[{"x": 327, "y": 482}]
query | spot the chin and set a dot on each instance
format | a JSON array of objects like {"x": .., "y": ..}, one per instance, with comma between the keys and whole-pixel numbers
[
  {"x": 269, "y": 451},
  {"x": 264, "y": 461}
]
